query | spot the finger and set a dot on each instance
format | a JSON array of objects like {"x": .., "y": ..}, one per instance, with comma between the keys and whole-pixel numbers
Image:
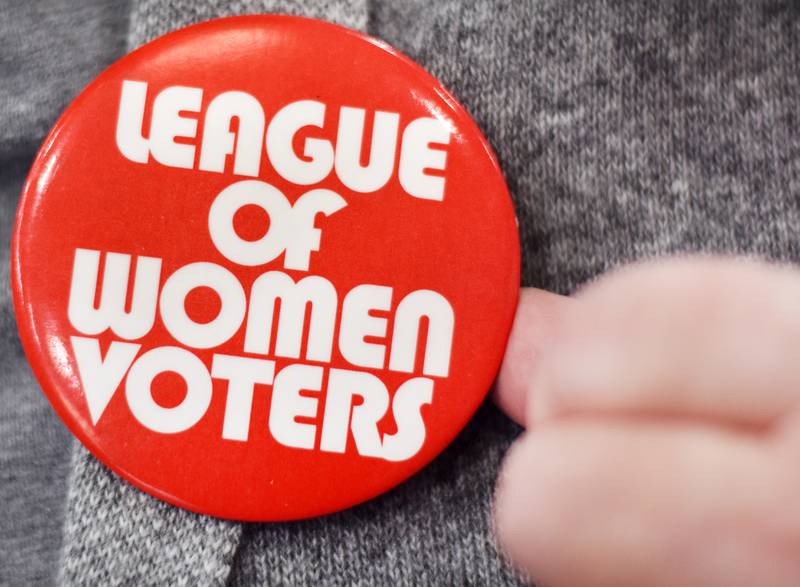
[
  {"x": 538, "y": 313},
  {"x": 692, "y": 338},
  {"x": 630, "y": 504}
]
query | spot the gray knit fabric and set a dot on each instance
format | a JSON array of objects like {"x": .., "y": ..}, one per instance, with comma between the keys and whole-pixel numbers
[
  {"x": 625, "y": 130},
  {"x": 153, "y": 18},
  {"x": 118, "y": 535},
  {"x": 48, "y": 52},
  {"x": 34, "y": 447},
  {"x": 435, "y": 529}
]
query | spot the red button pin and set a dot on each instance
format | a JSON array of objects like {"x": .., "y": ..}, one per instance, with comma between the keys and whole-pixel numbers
[{"x": 265, "y": 268}]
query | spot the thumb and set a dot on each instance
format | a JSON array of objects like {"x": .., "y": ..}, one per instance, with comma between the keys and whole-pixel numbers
[{"x": 538, "y": 315}]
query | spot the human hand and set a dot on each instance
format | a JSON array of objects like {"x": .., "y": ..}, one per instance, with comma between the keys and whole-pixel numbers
[{"x": 663, "y": 442}]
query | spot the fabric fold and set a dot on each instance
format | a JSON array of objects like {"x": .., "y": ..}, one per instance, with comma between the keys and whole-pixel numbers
[{"x": 116, "y": 534}]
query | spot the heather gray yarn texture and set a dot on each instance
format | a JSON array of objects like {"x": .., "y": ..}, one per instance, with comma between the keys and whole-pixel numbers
[
  {"x": 626, "y": 130},
  {"x": 153, "y": 18},
  {"x": 48, "y": 52}
]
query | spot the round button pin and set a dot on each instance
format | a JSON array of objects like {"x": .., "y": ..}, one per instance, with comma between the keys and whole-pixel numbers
[{"x": 265, "y": 268}]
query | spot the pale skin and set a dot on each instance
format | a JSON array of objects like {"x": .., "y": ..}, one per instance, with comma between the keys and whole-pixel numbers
[{"x": 662, "y": 443}]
